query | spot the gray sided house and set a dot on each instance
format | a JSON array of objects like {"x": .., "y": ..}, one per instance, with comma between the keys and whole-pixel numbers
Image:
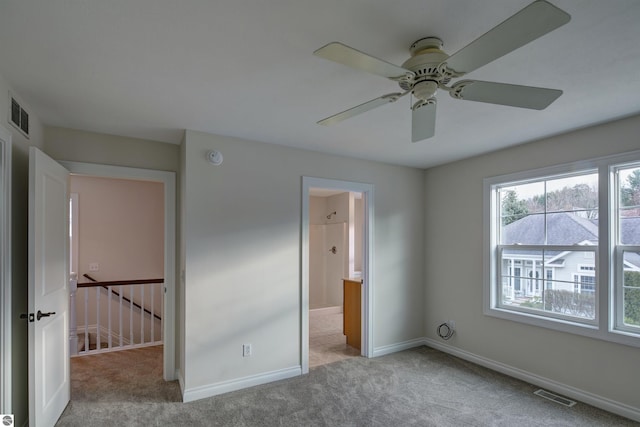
[{"x": 527, "y": 272}]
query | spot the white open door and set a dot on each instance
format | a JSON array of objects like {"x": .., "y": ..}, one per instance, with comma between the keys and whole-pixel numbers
[{"x": 49, "y": 377}]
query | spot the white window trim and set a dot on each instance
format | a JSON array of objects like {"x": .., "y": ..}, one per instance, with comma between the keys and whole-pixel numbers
[{"x": 606, "y": 327}]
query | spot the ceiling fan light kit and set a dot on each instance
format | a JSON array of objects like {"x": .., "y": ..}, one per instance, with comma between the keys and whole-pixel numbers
[{"x": 429, "y": 68}]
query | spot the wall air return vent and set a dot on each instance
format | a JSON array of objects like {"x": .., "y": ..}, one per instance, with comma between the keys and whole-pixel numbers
[{"x": 18, "y": 116}]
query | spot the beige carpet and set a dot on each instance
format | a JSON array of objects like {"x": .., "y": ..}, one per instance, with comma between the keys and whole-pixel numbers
[{"x": 417, "y": 387}]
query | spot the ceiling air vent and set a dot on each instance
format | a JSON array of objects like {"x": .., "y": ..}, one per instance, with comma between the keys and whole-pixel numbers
[{"x": 19, "y": 117}]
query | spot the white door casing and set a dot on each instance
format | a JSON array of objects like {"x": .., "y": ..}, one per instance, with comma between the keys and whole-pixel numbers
[
  {"x": 49, "y": 366},
  {"x": 169, "y": 181},
  {"x": 368, "y": 278}
]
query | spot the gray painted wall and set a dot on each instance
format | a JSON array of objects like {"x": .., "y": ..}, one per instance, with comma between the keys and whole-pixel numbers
[
  {"x": 242, "y": 236},
  {"x": 454, "y": 284}
]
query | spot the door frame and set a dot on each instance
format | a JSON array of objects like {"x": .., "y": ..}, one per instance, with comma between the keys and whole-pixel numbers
[
  {"x": 367, "y": 191},
  {"x": 169, "y": 181},
  {"x": 5, "y": 269}
]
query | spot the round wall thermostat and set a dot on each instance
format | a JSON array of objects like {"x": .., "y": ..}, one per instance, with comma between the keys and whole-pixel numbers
[{"x": 214, "y": 157}]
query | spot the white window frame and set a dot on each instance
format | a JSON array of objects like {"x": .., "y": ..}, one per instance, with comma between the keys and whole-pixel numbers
[
  {"x": 608, "y": 324},
  {"x": 618, "y": 254}
]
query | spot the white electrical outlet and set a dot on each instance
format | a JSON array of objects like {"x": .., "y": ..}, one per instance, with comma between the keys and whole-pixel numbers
[
  {"x": 246, "y": 350},
  {"x": 94, "y": 266}
]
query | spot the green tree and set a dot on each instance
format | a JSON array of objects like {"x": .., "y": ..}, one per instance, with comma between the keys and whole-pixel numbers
[
  {"x": 632, "y": 298},
  {"x": 579, "y": 197},
  {"x": 513, "y": 209},
  {"x": 630, "y": 191}
]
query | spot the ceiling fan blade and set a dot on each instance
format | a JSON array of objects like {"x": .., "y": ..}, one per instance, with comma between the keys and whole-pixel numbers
[
  {"x": 362, "y": 108},
  {"x": 353, "y": 58},
  {"x": 423, "y": 121},
  {"x": 536, "y": 98},
  {"x": 534, "y": 21}
]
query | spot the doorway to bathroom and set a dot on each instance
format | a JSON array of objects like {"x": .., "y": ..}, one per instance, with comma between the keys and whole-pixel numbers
[{"x": 337, "y": 230}]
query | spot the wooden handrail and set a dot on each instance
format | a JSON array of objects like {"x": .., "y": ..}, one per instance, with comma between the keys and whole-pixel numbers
[
  {"x": 106, "y": 285},
  {"x": 117, "y": 282}
]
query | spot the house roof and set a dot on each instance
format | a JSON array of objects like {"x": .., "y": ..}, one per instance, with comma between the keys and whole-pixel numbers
[
  {"x": 566, "y": 228},
  {"x": 563, "y": 228},
  {"x": 630, "y": 228}
]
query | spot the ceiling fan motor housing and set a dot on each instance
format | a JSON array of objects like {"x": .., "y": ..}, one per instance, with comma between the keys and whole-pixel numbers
[{"x": 426, "y": 57}]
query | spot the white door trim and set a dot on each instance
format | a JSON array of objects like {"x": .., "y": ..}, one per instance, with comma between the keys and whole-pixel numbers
[
  {"x": 169, "y": 181},
  {"x": 5, "y": 269},
  {"x": 367, "y": 262}
]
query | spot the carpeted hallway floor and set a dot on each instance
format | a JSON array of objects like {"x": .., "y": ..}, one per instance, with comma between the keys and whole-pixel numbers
[{"x": 417, "y": 387}]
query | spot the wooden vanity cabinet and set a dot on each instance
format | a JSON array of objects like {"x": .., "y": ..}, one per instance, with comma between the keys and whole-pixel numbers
[{"x": 352, "y": 311}]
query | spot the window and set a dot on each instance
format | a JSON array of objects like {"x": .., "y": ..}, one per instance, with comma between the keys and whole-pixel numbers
[
  {"x": 627, "y": 247},
  {"x": 563, "y": 248}
]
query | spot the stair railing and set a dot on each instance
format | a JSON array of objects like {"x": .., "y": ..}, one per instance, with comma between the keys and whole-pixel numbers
[{"x": 121, "y": 304}]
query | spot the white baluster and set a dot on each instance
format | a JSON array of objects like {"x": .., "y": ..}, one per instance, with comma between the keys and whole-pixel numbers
[
  {"x": 98, "y": 338},
  {"x": 86, "y": 319},
  {"x": 110, "y": 295},
  {"x": 73, "y": 324},
  {"x": 152, "y": 317},
  {"x": 142, "y": 315},
  {"x": 120, "y": 315},
  {"x": 131, "y": 341}
]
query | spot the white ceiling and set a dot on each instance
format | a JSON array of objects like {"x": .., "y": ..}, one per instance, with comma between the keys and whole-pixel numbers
[{"x": 244, "y": 68}]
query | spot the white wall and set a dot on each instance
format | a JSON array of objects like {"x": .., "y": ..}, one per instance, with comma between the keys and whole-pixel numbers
[
  {"x": 454, "y": 268},
  {"x": 19, "y": 245},
  {"x": 121, "y": 227},
  {"x": 242, "y": 235}
]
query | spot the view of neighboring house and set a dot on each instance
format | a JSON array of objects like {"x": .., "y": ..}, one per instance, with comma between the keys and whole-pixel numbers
[{"x": 528, "y": 273}]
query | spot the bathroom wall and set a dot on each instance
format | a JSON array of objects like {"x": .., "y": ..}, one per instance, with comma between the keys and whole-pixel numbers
[
  {"x": 358, "y": 232},
  {"x": 327, "y": 269}
]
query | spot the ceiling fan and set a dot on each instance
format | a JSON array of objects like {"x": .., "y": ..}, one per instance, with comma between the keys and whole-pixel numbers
[{"x": 429, "y": 68}]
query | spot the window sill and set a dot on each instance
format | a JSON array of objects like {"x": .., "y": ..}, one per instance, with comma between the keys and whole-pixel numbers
[{"x": 566, "y": 326}]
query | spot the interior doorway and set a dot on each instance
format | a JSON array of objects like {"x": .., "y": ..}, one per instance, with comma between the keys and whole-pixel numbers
[
  {"x": 166, "y": 181},
  {"x": 336, "y": 222},
  {"x": 337, "y": 218},
  {"x": 116, "y": 235}
]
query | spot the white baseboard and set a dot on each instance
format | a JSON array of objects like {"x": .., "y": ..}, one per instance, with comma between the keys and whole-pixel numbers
[
  {"x": 315, "y": 312},
  {"x": 196, "y": 393},
  {"x": 549, "y": 384},
  {"x": 393, "y": 348}
]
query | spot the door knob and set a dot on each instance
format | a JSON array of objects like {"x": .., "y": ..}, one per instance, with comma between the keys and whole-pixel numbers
[{"x": 40, "y": 314}]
